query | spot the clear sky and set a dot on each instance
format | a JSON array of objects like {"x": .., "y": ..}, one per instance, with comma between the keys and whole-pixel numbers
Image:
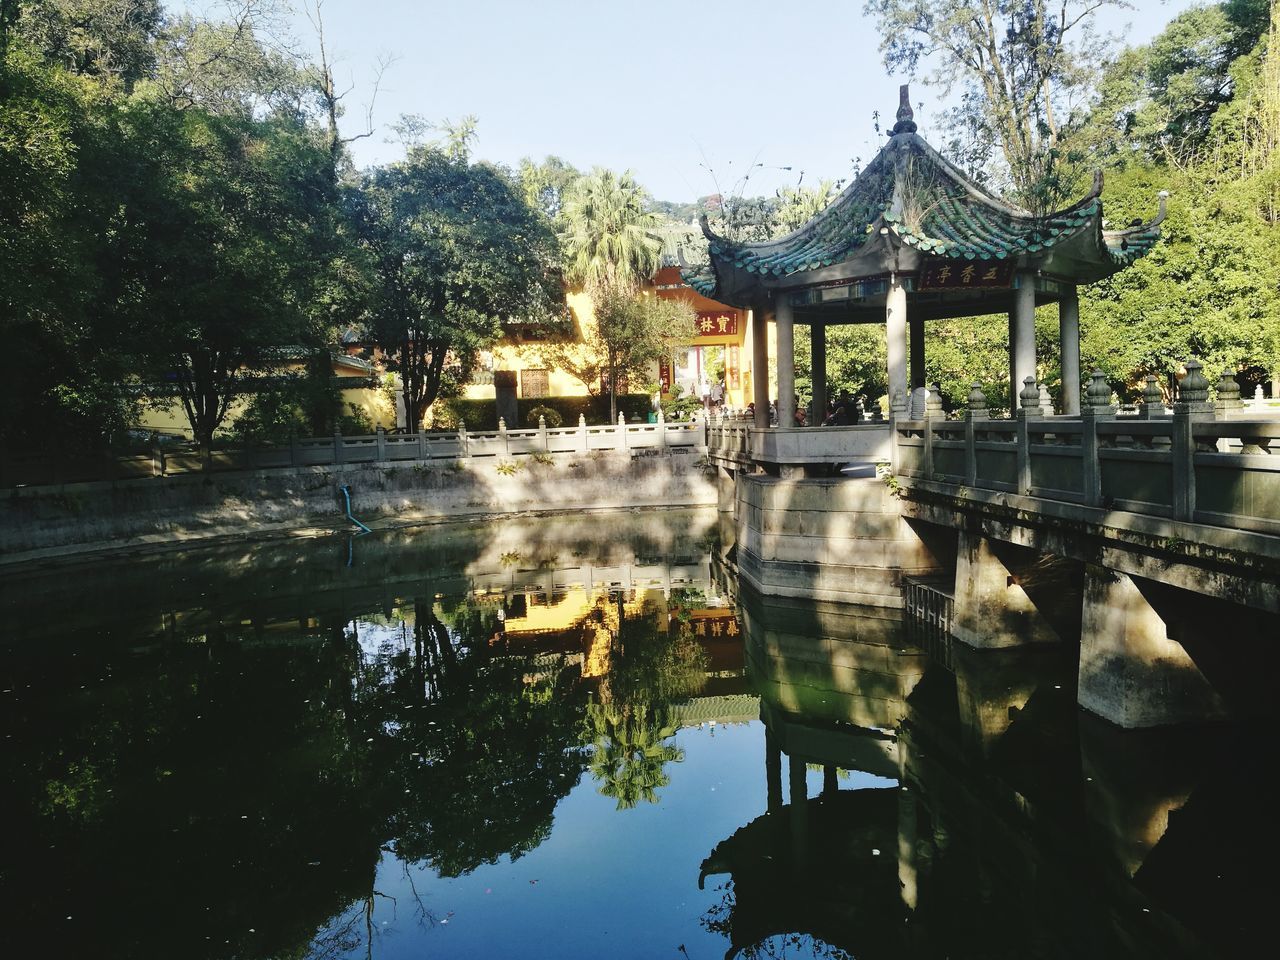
[{"x": 687, "y": 93}]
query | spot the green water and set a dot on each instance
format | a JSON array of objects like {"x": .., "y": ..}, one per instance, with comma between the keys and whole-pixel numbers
[{"x": 440, "y": 743}]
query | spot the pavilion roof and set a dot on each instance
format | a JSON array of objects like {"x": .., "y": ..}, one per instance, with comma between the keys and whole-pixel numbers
[{"x": 911, "y": 198}]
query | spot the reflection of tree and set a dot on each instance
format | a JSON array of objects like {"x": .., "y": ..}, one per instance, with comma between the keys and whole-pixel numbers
[
  {"x": 629, "y": 721},
  {"x": 473, "y": 749},
  {"x": 629, "y": 752}
]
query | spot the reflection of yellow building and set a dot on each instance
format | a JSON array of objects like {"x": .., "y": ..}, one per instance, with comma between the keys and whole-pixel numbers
[
  {"x": 580, "y": 616},
  {"x": 371, "y": 401}
]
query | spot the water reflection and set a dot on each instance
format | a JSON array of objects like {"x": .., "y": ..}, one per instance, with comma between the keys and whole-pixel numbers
[
  {"x": 1018, "y": 826},
  {"x": 211, "y": 753},
  {"x": 532, "y": 739}
]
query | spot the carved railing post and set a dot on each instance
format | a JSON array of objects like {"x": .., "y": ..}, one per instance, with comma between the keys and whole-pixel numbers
[
  {"x": 543, "y": 441},
  {"x": 1152, "y": 399},
  {"x": 382, "y": 442},
  {"x": 1097, "y": 406},
  {"x": 157, "y": 454},
  {"x": 662, "y": 430},
  {"x": 1046, "y": 401},
  {"x": 583, "y": 437},
  {"x": 1193, "y": 404},
  {"x": 1228, "y": 402},
  {"x": 622, "y": 443},
  {"x": 976, "y": 410},
  {"x": 502, "y": 435},
  {"x": 464, "y": 442},
  {"x": 337, "y": 446},
  {"x": 1030, "y": 410}
]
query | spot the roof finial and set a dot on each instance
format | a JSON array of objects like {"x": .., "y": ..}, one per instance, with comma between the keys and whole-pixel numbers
[{"x": 906, "y": 117}]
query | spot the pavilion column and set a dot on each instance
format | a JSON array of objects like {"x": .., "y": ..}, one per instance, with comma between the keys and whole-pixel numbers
[
  {"x": 786, "y": 361},
  {"x": 760, "y": 363},
  {"x": 1024, "y": 335},
  {"x": 895, "y": 319},
  {"x": 818, "y": 370},
  {"x": 1069, "y": 334},
  {"x": 917, "y": 351}
]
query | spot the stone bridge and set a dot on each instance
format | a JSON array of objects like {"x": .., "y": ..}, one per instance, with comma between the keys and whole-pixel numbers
[{"x": 1153, "y": 536}]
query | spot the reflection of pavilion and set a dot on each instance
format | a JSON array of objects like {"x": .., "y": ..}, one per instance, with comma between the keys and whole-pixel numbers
[{"x": 1018, "y": 827}]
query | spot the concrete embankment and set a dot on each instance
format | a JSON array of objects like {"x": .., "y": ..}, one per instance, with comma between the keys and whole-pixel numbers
[{"x": 42, "y": 522}]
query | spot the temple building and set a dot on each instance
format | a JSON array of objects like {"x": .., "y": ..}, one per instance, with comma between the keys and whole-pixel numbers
[{"x": 913, "y": 239}]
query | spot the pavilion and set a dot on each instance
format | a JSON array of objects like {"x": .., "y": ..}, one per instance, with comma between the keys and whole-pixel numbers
[{"x": 912, "y": 239}]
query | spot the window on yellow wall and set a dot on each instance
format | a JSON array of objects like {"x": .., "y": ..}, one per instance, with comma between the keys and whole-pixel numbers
[{"x": 534, "y": 384}]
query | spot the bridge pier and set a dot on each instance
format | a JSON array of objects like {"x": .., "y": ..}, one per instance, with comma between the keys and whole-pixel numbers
[
  {"x": 991, "y": 607},
  {"x": 1132, "y": 672}
]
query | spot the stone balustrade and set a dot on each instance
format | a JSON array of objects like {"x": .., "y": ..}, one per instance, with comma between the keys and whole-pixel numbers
[
  {"x": 374, "y": 448},
  {"x": 1213, "y": 463}
]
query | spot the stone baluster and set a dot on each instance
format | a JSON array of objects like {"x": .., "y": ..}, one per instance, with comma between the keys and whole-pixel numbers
[
  {"x": 337, "y": 445},
  {"x": 933, "y": 404},
  {"x": 1228, "y": 401},
  {"x": 1097, "y": 406},
  {"x": 381, "y": 434},
  {"x": 622, "y": 443},
  {"x": 1046, "y": 401},
  {"x": 1193, "y": 393},
  {"x": 1152, "y": 406},
  {"x": 1029, "y": 398},
  {"x": 1193, "y": 404},
  {"x": 662, "y": 430},
  {"x": 977, "y": 406},
  {"x": 583, "y": 438},
  {"x": 975, "y": 410},
  {"x": 1098, "y": 395},
  {"x": 543, "y": 442},
  {"x": 464, "y": 444},
  {"x": 502, "y": 435}
]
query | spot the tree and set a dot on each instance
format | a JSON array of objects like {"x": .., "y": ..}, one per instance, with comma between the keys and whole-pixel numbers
[
  {"x": 228, "y": 223},
  {"x": 453, "y": 250},
  {"x": 798, "y": 205},
  {"x": 227, "y": 67},
  {"x": 546, "y": 184},
  {"x": 608, "y": 231},
  {"x": 100, "y": 38},
  {"x": 1023, "y": 72},
  {"x": 631, "y": 332}
]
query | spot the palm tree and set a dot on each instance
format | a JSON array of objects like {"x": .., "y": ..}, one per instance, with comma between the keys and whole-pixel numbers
[{"x": 608, "y": 234}]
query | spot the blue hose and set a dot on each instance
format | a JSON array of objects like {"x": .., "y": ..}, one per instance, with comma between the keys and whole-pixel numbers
[{"x": 346, "y": 495}]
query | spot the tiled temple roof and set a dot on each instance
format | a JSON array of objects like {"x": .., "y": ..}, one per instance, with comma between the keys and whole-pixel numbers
[{"x": 911, "y": 195}]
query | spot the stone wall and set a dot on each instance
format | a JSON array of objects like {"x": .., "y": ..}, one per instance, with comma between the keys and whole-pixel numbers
[
  {"x": 158, "y": 511},
  {"x": 838, "y": 539}
]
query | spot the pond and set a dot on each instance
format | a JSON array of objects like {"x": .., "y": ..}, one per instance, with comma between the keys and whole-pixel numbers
[{"x": 576, "y": 737}]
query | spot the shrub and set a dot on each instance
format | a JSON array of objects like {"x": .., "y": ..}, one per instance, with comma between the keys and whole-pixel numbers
[{"x": 549, "y": 414}]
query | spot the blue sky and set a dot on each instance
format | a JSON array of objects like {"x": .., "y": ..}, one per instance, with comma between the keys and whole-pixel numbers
[{"x": 687, "y": 93}]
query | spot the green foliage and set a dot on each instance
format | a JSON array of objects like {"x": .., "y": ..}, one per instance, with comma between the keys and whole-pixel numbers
[
  {"x": 452, "y": 250},
  {"x": 1020, "y": 70},
  {"x": 543, "y": 412},
  {"x": 607, "y": 231},
  {"x": 1209, "y": 290}
]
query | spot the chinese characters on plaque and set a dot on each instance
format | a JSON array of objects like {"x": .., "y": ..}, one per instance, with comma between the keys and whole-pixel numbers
[
  {"x": 956, "y": 274},
  {"x": 716, "y": 323},
  {"x": 664, "y": 374}
]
